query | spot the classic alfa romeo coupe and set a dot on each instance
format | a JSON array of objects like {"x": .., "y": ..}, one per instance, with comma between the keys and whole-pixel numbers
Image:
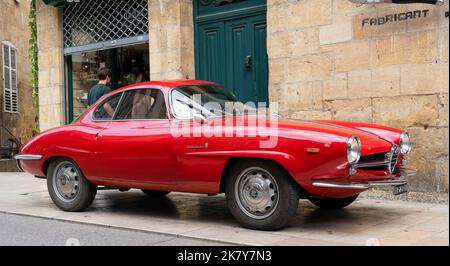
[{"x": 131, "y": 139}]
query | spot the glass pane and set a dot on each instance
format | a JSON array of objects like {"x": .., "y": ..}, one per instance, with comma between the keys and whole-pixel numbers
[
  {"x": 209, "y": 100},
  {"x": 6, "y": 55},
  {"x": 142, "y": 104},
  {"x": 13, "y": 59},
  {"x": 106, "y": 109},
  {"x": 7, "y": 78},
  {"x": 14, "y": 80}
]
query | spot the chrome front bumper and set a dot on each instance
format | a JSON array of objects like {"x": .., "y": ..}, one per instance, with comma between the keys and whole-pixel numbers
[{"x": 391, "y": 181}]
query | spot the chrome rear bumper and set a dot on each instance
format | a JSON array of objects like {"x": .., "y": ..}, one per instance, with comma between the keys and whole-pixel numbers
[
  {"x": 28, "y": 157},
  {"x": 391, "y": 181}
]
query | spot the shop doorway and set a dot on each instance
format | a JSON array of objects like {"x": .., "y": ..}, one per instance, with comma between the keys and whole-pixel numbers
[
  {"x": 231, "y": 46},
  {"x": 129, "y": 65}
]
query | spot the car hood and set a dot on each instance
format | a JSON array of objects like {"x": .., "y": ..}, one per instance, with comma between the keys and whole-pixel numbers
[{"x": 370, "y": 143}]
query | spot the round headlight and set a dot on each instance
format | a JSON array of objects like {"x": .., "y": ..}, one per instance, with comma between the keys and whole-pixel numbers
[
  {"x": 353, "y": 149},
  {"x": 405, "y": 143}
]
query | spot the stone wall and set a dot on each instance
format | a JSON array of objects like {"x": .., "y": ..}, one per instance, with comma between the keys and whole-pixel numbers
[
  {"x": 51, "y": 78},
  {"x": 331, "y": 59},
  {"x": 171, "y": 39},
  {"x": 14, "y": 28}
]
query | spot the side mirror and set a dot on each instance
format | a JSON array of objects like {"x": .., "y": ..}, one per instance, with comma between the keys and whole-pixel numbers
[{"x": 198, "y": 117}]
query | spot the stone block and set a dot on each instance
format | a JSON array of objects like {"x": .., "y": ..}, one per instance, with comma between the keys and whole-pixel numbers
[
  {"x": 277, "y": 71},
  {"x": 385, "y": 81},
  {"x": 443, "y": 110},
  {"x": 350, "y": 55},
  {"x": 309, "y": 68},
  {"x": 351, "y": 110},
  {"x": 335, "y": 88},
  {"x": 406, "y": 111},
  {"x": 443, "y": 45},
  {"x": 292, "y": 43},
  {"x": 303, "y": 96},
  {"x": 276, "y": 19},
  {"x": 308, "y": 13},
  {"x": 311, "y": 115},
  {"x": 409, "y": 48},
  {"x": 339, "y": 31},
  {"x": 424, "y": 79}
]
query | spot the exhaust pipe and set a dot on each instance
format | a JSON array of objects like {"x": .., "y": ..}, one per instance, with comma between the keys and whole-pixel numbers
[{"x": 431, "y": 2}]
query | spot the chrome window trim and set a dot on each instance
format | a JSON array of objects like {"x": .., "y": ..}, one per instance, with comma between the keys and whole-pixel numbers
[{"x": 113, "y": 119}]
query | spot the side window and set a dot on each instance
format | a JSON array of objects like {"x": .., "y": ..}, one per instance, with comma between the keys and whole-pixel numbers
[
  {"x": 105, "y": 110},
  {"x": 142, "y": 104}
]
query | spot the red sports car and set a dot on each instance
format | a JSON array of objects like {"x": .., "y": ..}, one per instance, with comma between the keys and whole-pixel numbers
[{"x": 165, "y": 136}]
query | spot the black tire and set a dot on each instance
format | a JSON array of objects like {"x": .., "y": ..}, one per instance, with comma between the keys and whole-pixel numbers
[
  {"x": 287, "y": 200},
  {"x": 86, "y": 191},
  {"x": 155, "y": 193},
  {"x": 333, "y": 204}
]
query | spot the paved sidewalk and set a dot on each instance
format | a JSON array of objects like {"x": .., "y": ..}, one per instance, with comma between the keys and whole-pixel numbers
[{"x": 366, "y": 222}]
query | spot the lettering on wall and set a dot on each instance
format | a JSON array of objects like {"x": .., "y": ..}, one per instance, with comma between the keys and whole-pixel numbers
[{"x": 410, "y": 15}]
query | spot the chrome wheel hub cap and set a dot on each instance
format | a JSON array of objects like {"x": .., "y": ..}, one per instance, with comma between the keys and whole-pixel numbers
[
  {"x": 257, "y": 193},
  {"x": 65, "y": 181}
]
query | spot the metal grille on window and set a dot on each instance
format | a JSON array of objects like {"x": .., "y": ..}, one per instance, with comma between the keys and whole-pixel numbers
[
  {"x": 98, "y": 23},
  {"x": 10, "y": 99}
]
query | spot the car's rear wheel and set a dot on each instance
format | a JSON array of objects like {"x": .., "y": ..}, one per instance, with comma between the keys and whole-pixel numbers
[
  {"x": 155, "y": 193},
  {"x": 67, "y": 186},
  {"x": 333, "y": 204},
  {"x": 261, "y": 195}
]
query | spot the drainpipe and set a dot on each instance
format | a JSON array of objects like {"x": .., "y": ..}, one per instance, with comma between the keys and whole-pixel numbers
[{"x": 432, "y": 2}]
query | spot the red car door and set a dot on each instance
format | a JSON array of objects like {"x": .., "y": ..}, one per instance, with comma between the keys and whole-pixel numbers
[{"x": 135, "y": 149}]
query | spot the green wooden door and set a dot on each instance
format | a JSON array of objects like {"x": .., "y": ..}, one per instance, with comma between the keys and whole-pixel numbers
[{"x": 233, "y": 52}]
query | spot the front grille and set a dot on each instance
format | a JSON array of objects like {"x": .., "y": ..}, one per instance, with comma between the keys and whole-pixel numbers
[
  {"x": 380, "y": 161},
  {"x": 392, "y": 158}
]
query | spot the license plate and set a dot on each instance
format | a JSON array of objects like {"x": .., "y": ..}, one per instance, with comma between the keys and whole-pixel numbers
[{"x": 398, "y": 190}]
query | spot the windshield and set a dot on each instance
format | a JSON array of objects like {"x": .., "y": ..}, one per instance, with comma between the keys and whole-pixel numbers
[{"x": 207, "y": 100}]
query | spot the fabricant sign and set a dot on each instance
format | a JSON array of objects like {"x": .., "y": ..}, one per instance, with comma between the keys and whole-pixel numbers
[{"x": 410, "y": 15}]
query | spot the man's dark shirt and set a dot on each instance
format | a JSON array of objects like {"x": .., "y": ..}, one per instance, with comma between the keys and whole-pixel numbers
[{"x": 96, "y": 92}]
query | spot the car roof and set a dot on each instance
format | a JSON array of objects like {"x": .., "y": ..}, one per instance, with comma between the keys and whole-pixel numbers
[{"x": 165, "y": 84}]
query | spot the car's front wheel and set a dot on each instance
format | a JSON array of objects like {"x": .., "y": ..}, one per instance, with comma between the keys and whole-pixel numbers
[
  {"x": 333, "y": 204},
  {"x": 261, "y": 195},
  {"x": 67, "y": 186}
]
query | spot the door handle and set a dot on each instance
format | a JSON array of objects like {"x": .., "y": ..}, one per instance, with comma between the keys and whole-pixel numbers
[
  {"x": 99, "y": 136},
  {"x": 248, "y": 61}
]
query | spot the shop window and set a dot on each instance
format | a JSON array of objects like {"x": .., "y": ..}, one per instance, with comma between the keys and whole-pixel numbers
[{"x": 10, "y": 93}]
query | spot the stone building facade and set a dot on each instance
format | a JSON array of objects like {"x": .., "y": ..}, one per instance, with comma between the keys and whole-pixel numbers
[
  {"x": 14, "y": 34},
  {"x": 332, "y": 64},
  {"x": 327, "y": 59}
]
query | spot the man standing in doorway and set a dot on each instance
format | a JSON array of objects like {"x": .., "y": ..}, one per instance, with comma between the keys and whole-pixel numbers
[{"x": 101, "y": 88}]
